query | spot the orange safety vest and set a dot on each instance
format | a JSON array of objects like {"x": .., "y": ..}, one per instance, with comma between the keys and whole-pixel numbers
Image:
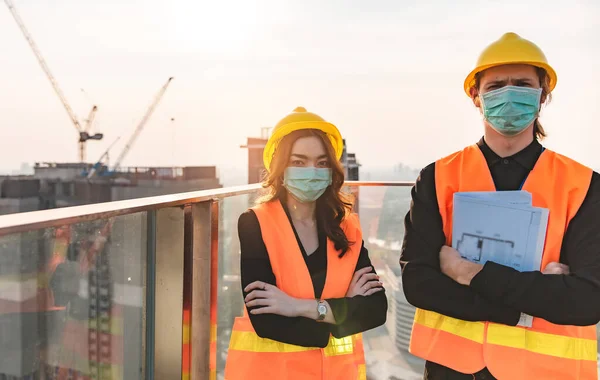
[
  {"x": 544, "y": 351},
  {"x": 251, "y": 357}
]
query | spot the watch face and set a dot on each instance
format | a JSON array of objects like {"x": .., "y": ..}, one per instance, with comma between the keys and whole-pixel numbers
[{"x": 322, "y": 309}]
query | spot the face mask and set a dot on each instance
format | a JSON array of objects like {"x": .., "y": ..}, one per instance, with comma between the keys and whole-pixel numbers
[
  {"x": 306, "y": 184},
  {"x": 511, "y": 109}
]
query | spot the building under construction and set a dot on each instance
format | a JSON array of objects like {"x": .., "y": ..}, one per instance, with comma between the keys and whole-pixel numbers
[{"x": 66, "y": 184}]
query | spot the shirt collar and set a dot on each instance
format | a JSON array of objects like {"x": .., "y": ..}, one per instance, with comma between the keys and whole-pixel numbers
[{"x": 527, "y": 157}]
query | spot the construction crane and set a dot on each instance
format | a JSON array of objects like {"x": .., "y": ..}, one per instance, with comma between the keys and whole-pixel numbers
[
  {"x": 103, "y": 160},
  {"x": 85, "y": 135},
  {"x": 142, "y": 124},
  {"x": 98, "y": 165},
  {"x": 84, "y": 132}
]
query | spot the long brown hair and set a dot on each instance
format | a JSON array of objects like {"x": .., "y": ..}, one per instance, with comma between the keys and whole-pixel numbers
[
  {"x": 332, "y": 207},
  {"x": 538, "y": 130}
]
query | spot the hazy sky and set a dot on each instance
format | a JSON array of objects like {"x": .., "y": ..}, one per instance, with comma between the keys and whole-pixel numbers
[{"x": 388, "y": 73}]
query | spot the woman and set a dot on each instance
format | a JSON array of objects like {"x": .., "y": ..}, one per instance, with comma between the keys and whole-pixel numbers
[{"x": 308, "y": 283}]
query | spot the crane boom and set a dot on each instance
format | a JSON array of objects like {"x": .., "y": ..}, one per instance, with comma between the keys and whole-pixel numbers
[
  {"x": 90, "y": 119},
  {"x": 142, "y": 123},
  {"x": 44, "y": 65}
]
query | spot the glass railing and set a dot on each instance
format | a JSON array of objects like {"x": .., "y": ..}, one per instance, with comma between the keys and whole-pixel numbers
[{"x": 135, "y": 289}]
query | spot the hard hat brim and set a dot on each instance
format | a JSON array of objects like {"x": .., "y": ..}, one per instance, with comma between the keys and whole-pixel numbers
[
  {"x": 329, "y": 129},
  {"x": 470, "y": 80}
]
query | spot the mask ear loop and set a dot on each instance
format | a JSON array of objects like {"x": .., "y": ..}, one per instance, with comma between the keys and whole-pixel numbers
[{"x": 481, "y": 106}]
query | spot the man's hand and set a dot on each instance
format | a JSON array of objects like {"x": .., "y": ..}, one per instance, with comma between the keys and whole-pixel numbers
[
  {"x": 556, "y": 268},
  {"x": 271, "y": 300},
  {"x": 457, "y": 268},
  {"x": 364, "y": 283}
]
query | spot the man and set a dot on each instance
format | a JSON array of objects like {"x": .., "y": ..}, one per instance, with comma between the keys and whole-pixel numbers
[{"x": 465, "y": 323}]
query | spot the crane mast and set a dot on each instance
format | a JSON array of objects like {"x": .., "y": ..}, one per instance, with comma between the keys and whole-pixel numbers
[{"x": 83, "y": 137}]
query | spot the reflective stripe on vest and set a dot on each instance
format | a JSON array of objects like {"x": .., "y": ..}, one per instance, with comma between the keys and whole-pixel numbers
[
  {"x": 252, "y": 357},
  {"x": 243, "y": 338},
  {"x": 544, "y": 351}
]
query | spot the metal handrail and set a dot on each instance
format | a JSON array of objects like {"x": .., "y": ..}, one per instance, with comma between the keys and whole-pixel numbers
[
  {"x": 28, "y": 221},
  {"x": 380, "y": 183}
]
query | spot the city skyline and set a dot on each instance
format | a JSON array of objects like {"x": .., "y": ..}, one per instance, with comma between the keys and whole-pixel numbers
[{"x": 381, "y": 72}]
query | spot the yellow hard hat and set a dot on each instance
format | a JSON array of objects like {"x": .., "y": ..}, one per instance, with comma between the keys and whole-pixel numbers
[
  {"x": 510, "y": 49},
  {"x": 301, "y": 119}
]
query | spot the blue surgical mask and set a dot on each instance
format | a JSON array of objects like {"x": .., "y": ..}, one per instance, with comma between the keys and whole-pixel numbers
[
  {"x": 511, "y": 109},
  {"x": 306, "y": 184}
]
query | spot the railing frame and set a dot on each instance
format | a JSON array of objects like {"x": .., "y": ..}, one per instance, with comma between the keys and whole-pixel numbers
[
  {"x": 181, "y": 270},
  {"x": 27, "y": 221}
]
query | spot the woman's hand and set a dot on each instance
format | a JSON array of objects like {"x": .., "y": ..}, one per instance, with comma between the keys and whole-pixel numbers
[
  {"x": 364, "y": 283},
  {"x": 270, "y": 300}
]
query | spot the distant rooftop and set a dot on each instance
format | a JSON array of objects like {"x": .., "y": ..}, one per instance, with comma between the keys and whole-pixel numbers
[
  {"x": 70, "y": 170},
  {"x": 62, "y": 165}
]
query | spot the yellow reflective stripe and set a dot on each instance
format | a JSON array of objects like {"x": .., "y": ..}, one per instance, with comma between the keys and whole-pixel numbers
[
  {"x": 543, "y": 343},
  {"x": 469, "y": 330},
  {"x": 249, "y": 341},
  {"x": 340, "y": 346},
  {"x": 213, "y": 374},
  {"x": 508, "y": 336}
]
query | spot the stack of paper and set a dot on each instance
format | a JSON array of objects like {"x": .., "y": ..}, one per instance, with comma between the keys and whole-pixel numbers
[{"x": 500, "y": 226}]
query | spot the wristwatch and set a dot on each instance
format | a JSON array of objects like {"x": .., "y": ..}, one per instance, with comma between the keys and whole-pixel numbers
[{"x": 321, "y": 309}]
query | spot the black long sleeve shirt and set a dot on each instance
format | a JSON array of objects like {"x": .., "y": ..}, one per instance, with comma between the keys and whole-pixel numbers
[
  {"x": 352, "y": 315},
  {"x": 499, "y": 293}
]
